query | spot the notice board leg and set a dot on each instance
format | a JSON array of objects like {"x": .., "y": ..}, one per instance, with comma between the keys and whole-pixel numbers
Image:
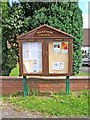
[
  {"x": 25, "y": 86},
  {"x": 67, "y": 85}
]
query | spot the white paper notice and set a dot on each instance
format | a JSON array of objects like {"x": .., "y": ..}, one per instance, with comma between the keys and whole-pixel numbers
[
  {"x": 25, "y": 51},
  {"x": 35, "y": 66},
  {"x": 64, "y": 51},
  {"x": 57, "y": 47},
  {"x": 32, "y": 51},
  {"x": 58, "y": 66},
  {"x": 27, "y": 66}
]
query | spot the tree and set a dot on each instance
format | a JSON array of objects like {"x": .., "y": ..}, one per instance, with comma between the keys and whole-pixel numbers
[
  {"x": 0, "y": 51},
  {"x": 5, "y": 11},
  {"x": 13, "y": 23},
  {"x": 67, "y": 17},
  {"x": 30, "y": 8}
]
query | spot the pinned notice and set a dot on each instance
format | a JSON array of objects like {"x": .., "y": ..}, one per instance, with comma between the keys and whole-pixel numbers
[
  {"x": 35, "y": 66},
  {"x": 57, "y": 47},
  {"x": 64, "y": 47},
  {"x": 58, "y": 66}
]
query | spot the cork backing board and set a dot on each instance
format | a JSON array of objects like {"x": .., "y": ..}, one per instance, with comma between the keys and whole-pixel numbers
[{"x": 57, "y": 58}]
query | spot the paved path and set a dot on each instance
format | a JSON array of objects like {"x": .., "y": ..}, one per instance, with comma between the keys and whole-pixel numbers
[
  {"x": 85, "y": 69},
  {"x": 9, "y": 111}
]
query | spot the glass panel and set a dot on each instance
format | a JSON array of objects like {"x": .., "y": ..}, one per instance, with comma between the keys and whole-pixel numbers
[
  {"x": 32, "y": 57},
  {"x": 58, "y": 57}
]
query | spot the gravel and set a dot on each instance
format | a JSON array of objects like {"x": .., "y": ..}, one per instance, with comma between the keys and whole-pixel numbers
[{"x": 10, "y": 111}]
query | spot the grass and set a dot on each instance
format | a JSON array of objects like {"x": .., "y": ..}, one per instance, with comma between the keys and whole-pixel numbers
[
  {"x": 83, "y": 74},
  {"x": 58, "y": 104},
  {"x": 15, "y": 71}
]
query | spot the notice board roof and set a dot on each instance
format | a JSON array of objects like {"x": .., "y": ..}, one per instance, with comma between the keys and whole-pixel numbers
[{"x": 45, "y": 31}]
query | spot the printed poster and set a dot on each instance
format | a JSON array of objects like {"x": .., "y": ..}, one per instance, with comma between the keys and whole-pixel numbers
[{"x": 64, "y": 47}]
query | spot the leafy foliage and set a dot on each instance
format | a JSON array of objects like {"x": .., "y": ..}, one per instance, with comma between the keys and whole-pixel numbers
[
  {"x": 13, "y": 23},
  {"x": 0, "y": 43},
  {"x": 65, "y": 16}
]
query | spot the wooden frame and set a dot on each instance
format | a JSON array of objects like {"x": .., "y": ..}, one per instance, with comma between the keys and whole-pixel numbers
[{"x": 45, "y": 51}]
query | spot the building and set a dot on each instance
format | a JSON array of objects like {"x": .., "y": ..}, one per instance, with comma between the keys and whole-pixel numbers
[
  {"x": 86, "y": 43},
  {"x": 86, "y": 47}
]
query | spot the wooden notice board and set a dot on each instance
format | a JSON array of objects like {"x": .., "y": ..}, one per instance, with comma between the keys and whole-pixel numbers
[{"x": 45, "y": 51}]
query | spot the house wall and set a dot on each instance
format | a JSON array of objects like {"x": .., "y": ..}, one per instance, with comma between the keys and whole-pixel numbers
[{"x": 86, "y": 47}]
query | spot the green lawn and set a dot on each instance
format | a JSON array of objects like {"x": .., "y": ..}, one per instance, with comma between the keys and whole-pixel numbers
[
  {"x": 15, "y": 71},
  {"x": 83, "y": 74},
  {"x": 58, "y": 104}
]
